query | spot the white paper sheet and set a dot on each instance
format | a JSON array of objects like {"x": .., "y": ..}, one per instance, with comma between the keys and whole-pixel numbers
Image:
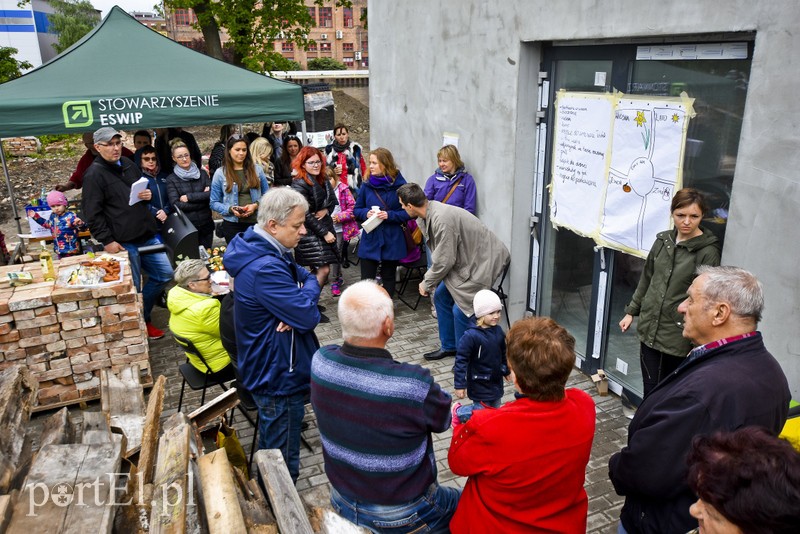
[{"x": 137, "y": 187}]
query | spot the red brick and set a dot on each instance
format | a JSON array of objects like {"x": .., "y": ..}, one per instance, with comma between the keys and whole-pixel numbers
[
  {"x": 60, "y": 295},
  {"x": 11, "y": 336},
  {"x": 88, "y": 303},
  {"x": 90, "y": 322},
  {"x": 66, "y": 307},
  {"x": 5, "y": 328},
  {"x": 90, "y": 393},
  {"x": 137, "y": 349},
  {"x": 15, "y": 354},
  {"x": 39, "y": 340},
  {"x": 24, "y": 315},
  {"x": 47, "y": 310},
  {"x": 58, "y": 346},
  {"x": 75, "y": 342},
  {"x": 33, "y": 359},
  {"x": 69, "y": 396},
  {"x": 79, "y": 358},
  {"x": 126, "y": 298},
  {"x": 77, "y": 314},
  {"x": 51, "y": 329},
  {"x": 29, "y": 332}
]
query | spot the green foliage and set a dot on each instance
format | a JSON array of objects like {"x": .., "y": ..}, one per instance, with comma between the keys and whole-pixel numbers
[
  {"x": 255, "y": 25},
  {"x": 325, "y": 63},
  {"x": 10, "y": 68},
  {"x": 71, "y": 21}
]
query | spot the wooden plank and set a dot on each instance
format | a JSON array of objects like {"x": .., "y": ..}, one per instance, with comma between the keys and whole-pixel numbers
[
  {"x": 213, "y": 410},
  {"x": 219, "y": 494},
  {"x": 152, "y": 420},
  {"x": 5, "y": 511},
  {"x": 122, "y": 401},
  {"x": 282, "y": 494},
  {"x": 57, "y": 429},
  {"x": 17, "y": 391},
  {"x": 170, "y": 484},
  {"x": 94, "y": 498},
  {"x": 95, "y": 428},
  {"x": 40, "y": 507},
  {"x": 256, "y": 511}
]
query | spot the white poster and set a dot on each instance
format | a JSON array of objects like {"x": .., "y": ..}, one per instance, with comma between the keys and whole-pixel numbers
[{"x": 628, "y": 204}]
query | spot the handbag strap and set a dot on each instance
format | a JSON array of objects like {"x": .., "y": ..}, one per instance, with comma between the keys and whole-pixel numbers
[{"x": 444, "y": 200}]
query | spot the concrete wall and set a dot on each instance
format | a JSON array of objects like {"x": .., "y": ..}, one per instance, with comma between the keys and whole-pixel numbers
[{"x": 470, "y": 67}]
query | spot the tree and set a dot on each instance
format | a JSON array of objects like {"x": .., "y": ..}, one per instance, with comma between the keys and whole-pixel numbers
[
  {"x": 10, "y": 68},
  {"x": 253, "y": 27},
  {"x": 325, "y": 63},
  {"x": 71, "y": 20}
]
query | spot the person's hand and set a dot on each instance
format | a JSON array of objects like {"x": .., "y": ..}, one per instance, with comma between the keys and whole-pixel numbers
[
  {"x": 185, "y": 198},
  {"x": 626, "y": 321},
  {"x": 113, "y": 247},
  {"x": 77, "y": 222},
  {"x": 508, "y": 378},
  {"x": 322, "y": 274},
  {"x": 422, "y": 289},
  {"x": 370, "y": 213},
  {"x": 161, "y": 215},
  {"x": 283, "y": 327},
  {"x": 330, "y": 238},
  {"x": 31, "y": 213},
  {"x": 383, "y": 215},
  {"x": 461, "y": 393},
  {"x": 205, "y": 190},
  {"x": 248, "y": 210},
  {"x": 66, "y": 186},
  {"x": 338, "y": 170},
  {"x": 145, "y": 195},
  {"x": 321, "y": 213}
]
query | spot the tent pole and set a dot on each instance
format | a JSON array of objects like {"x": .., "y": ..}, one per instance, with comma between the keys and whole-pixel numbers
[
  {"x": 10, "y": 189},
  {"x": 305, "y": 133}
]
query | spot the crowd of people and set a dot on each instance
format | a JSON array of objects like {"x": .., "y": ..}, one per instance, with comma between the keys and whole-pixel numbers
[{"x": 702, "y": 450}]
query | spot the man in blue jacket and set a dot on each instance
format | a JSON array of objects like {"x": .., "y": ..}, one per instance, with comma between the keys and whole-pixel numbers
[{"x": 275, "y": 312}]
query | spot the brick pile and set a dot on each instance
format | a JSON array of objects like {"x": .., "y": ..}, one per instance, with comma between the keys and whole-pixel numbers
[
  {"x": 22, "y": 146},
  {"x": 67, "y": 336}
]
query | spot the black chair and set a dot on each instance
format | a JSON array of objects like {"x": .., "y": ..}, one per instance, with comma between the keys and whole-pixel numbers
[
  {"x": 196, "y": 378},
  {"x": 419, "y": 267},
  {"x": 502, "y": 294},
  {"x": 246, "y": 405}
]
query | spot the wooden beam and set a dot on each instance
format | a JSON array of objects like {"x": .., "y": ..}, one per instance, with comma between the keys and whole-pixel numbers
[
  {"x": 171, "y": 484},
  {"x": 95, "y": 428},
  {"x": 219, "y": 494},
  {"x": 122, "y": 401},
  {"x": 214, "y": 409},
  {"x": 282, "y": 494},
  {"x": 57, "y": 429},
  {"x": 152, "y": 419},
  {"x": 17, "y": 392}
]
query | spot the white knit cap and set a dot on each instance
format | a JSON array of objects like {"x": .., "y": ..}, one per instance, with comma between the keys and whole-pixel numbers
[{"x": 486, "y": 302}]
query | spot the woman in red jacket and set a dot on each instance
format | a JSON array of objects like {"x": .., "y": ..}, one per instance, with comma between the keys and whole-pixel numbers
[{"x": 526, "y": 461}]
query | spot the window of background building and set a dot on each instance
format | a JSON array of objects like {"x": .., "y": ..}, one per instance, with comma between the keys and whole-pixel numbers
[
  {"x": 347, "y": 47},
  {"x": 326, "y": 17},
  {"x": 348, "y": 61},
  {"x": 364, "y": 45},
  {"x": 184, "y": 17},
  {"x": 287, "y": 47},
  {"x": 312, "y": 12},
  {"x": 364, "y": 61},
  {"x": 325, "y": 47},
  {"x": 363, "y": 15},
  {"x": 312, "y": 47},
  {"x": 348, "y": 17}
]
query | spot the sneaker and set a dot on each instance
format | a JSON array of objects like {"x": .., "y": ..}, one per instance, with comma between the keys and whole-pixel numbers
[
  {"x": 455, "y": 419},
  {"x": 153, "y": 332},
  {"x": 335, "y": 291}
]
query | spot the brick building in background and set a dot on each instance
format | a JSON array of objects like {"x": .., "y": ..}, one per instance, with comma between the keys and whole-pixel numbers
[{"x": 339, "y": 33}]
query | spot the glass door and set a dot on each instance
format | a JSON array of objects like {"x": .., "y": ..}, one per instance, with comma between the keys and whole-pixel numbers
[{"x": 586, "y": 289}]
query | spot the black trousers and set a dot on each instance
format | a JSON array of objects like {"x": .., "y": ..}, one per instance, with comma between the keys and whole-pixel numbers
[
  {"x": 230, "y": 229},
  {"x": 656, "y": 366},
  {"x": 369, "y": 268}
]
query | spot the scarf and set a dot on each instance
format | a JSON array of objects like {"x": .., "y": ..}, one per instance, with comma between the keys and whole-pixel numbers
[
  {"x": 341, "y": 148},
  {"x": 378, "y": 181},
  {"x": 192, "y": 174}
]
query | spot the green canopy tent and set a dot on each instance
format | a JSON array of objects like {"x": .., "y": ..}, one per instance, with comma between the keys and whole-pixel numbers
[{"x": 125, "y": 75}]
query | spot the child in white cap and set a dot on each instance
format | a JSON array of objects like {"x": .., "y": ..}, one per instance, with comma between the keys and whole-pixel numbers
[
  {"x": 63, "y": 224},
  {"x": 481, "y": 359}
]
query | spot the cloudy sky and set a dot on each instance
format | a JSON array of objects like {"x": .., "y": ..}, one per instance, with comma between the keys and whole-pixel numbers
[{"x": 128, "y": 5}]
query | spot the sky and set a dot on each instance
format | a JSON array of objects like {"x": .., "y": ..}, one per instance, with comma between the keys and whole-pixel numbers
[{"x": 128, "y": 5}]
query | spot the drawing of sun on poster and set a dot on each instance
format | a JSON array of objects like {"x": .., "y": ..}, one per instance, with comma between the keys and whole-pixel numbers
[{"x": 642, "y": 168}]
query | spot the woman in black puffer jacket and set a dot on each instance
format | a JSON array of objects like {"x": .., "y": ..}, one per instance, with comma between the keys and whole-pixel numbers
[
  {"x": 188, "y": 188},
  {"x": 318, "y": 246}
]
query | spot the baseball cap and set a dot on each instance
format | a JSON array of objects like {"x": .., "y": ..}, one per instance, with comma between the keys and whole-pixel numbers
[{"x": 105, "y": 134}]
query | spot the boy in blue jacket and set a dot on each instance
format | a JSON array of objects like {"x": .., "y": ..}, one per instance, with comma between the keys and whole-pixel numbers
[{"x": 481, "y": 359}]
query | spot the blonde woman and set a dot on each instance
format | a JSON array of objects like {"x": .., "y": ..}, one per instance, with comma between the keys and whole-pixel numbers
[{"x": 262, "y": 156}]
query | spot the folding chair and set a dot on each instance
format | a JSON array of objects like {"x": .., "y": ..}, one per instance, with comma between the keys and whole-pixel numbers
[
  {"x": 419, "y": 267},
  {"x": 196, "y": 378},
  {"x": 502, "y": 294}
]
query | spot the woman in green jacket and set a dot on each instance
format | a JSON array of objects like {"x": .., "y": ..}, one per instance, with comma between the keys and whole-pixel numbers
[
  {"x": 668, "y": 273},
  {"x": 194, "y": 314}
]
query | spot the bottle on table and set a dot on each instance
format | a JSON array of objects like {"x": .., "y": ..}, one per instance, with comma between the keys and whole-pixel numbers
[{"x": 46, "y": 259}]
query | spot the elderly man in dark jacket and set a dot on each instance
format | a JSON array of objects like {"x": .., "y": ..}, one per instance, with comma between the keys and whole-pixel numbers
[
  {"x": 728, "y": 381},
  {"x": 276, "y": 312}
]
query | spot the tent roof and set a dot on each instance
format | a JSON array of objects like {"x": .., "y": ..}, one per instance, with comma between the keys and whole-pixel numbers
[{"x": 126, "y": 75}]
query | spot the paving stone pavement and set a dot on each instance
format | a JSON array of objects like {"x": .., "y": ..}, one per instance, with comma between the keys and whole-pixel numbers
[{"x": 415, "y": 334}]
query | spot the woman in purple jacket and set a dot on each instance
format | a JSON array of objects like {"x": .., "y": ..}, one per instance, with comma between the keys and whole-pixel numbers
[{"x": 451, "y": 184}]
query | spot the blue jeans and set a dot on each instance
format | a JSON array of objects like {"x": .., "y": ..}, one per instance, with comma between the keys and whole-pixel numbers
[
  {"x": 158, "y": 269},
  {"x": 279, "y": 423},
  {"x": 432, "y": 512},
  {"x": 621, "y": 529},
  {"x": 452, "y": 321},
  {"x": 465, "y": 412}
]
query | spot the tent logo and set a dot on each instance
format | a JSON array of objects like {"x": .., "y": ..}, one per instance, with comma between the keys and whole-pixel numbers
[{"x": 77, "y": 113}]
